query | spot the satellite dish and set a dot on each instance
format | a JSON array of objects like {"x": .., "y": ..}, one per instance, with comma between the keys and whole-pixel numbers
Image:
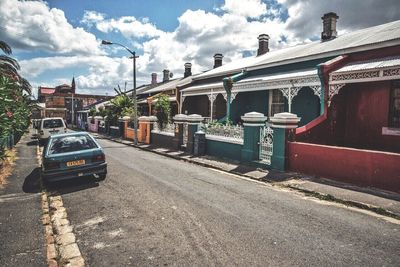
[{"x": 171, "y": 75}]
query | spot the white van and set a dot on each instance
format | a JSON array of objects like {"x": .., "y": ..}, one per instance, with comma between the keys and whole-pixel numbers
[{"x": 50, "y": 126}]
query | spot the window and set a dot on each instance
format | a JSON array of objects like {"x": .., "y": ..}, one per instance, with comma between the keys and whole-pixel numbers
[
  {"x": 277, "y": 102},
  {"x": 394, "y": 112},
  {"x": 56, "y": 123},
  {"x": 71, "y": 143}
]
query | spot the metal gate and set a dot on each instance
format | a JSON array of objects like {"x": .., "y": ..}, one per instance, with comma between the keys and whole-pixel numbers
[
  {"x": 266, "y": 144},
  {"x": 185, "y": 133}
]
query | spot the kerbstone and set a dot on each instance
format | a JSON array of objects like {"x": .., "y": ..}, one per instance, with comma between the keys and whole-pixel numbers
[{"x": 70, "y": 251}]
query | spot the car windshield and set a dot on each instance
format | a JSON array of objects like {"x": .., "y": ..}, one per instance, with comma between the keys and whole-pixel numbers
[
  {"x": 71, "y": 143},
  {"x": 56, "y": 123}
]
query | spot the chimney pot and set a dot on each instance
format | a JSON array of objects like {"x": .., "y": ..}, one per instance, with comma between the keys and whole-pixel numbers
[
  {"x": 165, "y": 75},
  {"x": 154, "y": 78},
  {"x": 329, "y": 26},
  {"x": 188, "y": 69},
  {"x": 262, "y": 44},
  {"x": 218, "y": 60}
]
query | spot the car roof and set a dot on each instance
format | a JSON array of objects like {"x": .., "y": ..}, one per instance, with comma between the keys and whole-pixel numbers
[{"x": 70, "y": 134}]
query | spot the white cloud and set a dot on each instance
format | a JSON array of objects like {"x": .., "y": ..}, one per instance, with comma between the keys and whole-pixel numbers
[
  {"x": 129, "y": 26},
  {"x": 246, "y": 8},
  {"x": 32, "y": 25},
  {"x": 305, "y": 15}
]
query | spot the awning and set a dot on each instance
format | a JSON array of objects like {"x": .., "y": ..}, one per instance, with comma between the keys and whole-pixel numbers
[
  {"x": 382, "y": 69},
  {"x": 366, "y": 71},
  {"x": 204, "y": 89}
]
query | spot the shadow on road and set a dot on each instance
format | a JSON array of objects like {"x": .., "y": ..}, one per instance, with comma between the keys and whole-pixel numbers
[
  {"x": 32, "y": 182},
  {"x": 32, "y": 143},
  {"x": 70, "y": 186}
]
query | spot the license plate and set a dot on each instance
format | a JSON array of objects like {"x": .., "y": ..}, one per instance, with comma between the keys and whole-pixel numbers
[{"x": 75, "y": 163}]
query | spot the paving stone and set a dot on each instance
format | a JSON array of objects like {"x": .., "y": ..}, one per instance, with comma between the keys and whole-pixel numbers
[
  {"x": 56, "y": 204},
  {"x": 46, "y": 219},
  {"x": 58, "y": 215},
  {"x": 48, "y": 230},
  {"x": 69, "y": 251},
  {"x": 52, "y": 263},
  {"x": 63, "y": 229},
  {"x": 65, "y": 239},
  {"x": 76, "y": 262},
  {"x": 50, "y": 239},
  {"x": 51, "y": 251},
  {"x": 60, "y": 222}
]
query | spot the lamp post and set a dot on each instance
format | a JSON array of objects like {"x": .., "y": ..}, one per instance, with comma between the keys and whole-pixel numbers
[{"x": 133, "y": 53}]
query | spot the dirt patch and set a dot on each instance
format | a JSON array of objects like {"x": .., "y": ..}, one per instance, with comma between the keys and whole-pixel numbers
[{"x": 6, "y": 166}]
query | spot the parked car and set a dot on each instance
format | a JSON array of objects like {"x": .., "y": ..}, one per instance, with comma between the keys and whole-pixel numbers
[
  {"x": 73, "y": 155},
  {"x": 50, "y": 126}
]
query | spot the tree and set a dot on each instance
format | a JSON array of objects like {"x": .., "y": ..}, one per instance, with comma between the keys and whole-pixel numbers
[{"x": 163, "y": 110}]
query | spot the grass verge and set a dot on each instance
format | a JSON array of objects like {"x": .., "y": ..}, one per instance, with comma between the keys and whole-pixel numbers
[{"x": 6, "y": 166}]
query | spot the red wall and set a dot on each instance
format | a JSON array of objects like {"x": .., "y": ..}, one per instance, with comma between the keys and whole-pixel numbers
[{"x": 360, "y": 167}]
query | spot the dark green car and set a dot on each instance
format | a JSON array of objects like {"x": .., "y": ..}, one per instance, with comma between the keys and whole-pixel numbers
[{"x": 73, "y": 155}]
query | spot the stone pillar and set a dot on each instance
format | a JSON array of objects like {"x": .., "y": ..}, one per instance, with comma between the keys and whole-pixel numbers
[
  {"x": 194, "y": 121},
  {"x": 146, "y": 124},
  {"x": 252, "y": 122},
  {"x": 179, "y": 120},
  {"x": 282, "y": 123},
  {"x": 123, "y": 125}
]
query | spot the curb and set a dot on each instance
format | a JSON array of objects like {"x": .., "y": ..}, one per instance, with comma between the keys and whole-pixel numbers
[
  {"x": 320, "y": 196},
  {"x": 61, "y": 246}
]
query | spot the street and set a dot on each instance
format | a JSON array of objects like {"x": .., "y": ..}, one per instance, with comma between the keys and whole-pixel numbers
[{"x": 156, "y": 211}]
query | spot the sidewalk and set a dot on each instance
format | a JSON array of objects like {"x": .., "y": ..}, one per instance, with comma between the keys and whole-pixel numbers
[
  {"x": 21, "y": 230},
  {"x": 380, "y": 201}
]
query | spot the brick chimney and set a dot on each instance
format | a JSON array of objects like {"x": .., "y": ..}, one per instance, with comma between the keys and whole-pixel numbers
[
  {"x": 262, "y": 44},
  {"x": 165, "y": 75},
  {"x": 153, "y": 78},
  {"x": 188, "y": 69},
  {"x": 218, "y": 60},
  {"x": 329, "y": 26}
]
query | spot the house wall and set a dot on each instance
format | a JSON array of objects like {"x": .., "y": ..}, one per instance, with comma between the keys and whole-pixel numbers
[
  {"x": 197, "y": 105},
  {"x": 248, "y": 102},
  {"x": 361, "y": 167},
  {"x": 306, "y": 105}
]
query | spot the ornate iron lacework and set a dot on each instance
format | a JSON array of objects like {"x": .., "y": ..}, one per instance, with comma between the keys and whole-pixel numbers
[
  {"x": 334, "y": 89},
  {"x": 355, "y": 76},
  {"x": 232, "y": 133},
  {"x": 168, "y": 128},
  {"x": 391, "y": 72},
  {"x": 266, "y": 144},
  {"x": 317, "y": 90},
  {"x": 277, "y": 84},
  {"x": 212, "y": 97}
]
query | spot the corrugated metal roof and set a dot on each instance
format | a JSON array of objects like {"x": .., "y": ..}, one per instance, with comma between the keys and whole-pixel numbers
[
  {"x": 360, "y": 39},
  {"x": 370, "y": 64},
  {"x": 280, "y": 76},
  {"x": 216, "y": 85}
]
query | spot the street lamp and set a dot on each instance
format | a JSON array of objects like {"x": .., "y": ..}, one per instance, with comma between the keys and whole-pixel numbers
[{"x": 133, "y": 53}]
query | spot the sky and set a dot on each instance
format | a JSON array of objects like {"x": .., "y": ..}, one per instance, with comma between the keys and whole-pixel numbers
[{"x": 56, "y": 40}]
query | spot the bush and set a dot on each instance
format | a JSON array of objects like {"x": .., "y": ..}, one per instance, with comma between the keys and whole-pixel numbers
[{"x": 163, "y": 110}]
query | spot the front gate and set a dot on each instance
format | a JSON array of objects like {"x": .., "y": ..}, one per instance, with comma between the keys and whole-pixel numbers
[{"x": 266, "y": 144}]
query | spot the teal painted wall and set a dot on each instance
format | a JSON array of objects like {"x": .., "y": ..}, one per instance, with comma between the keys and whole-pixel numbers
[
  {"x": 248, "y": 102},
  {"x": 306, "y": 105},
  {"x": 223, "y": 149}
]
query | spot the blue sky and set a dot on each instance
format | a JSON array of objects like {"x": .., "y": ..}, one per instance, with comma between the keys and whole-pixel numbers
[{"x": 55, "y": 40}]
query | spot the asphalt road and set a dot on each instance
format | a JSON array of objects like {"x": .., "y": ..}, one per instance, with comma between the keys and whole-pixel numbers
[{"x": 156, "y": 211}]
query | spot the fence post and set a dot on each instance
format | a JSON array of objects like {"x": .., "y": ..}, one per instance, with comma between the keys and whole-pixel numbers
[
  {"x": 123, "y": 125},
  {"x": 282, "y": 123},
  {"x": 194, "y": 121},
  {"x": 179, "y": 120},
  {"x": 252, "y": 123}
]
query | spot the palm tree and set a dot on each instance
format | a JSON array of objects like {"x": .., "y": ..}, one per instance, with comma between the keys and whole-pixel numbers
[{"x": 9, "y": 67}]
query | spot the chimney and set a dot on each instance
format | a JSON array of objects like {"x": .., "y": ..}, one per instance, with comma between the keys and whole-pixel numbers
[
  {"x": 329, "y": 26},
  {"x": 153, "y": 78},
  {"x": 165, "y": 75},
  {"x": 218, "y": 60},
  {"x": 262, "y": 44},
  {"x": 188, "y": 69}
]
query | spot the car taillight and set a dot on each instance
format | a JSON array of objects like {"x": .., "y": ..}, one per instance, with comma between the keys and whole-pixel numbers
[
  {"x": 51, "y": 165},
  {"x": 98, "y": 158},
  {"x": 65, "y": 129}
]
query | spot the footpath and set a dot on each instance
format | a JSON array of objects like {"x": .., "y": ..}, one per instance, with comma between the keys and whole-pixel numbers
[
  {"x": 379, "y": 201},
  {"x": 21, "y": 229}
]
